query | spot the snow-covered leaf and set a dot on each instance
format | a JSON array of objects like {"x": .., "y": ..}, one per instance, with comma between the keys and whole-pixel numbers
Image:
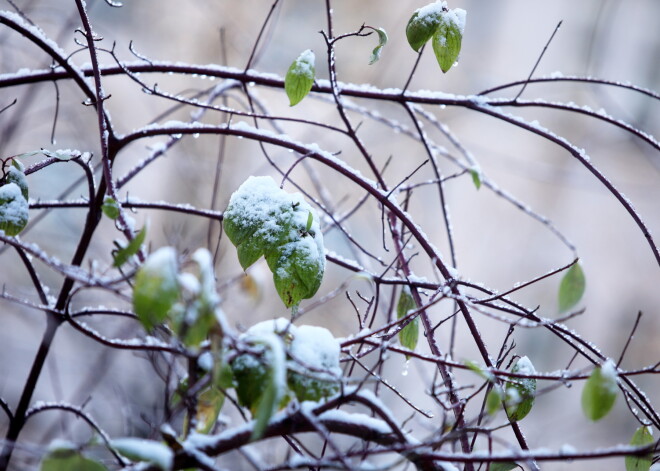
[
  {"x": 448, "y": 37},
  {"x": 156, "y": 287},
  {"x": 520, "y": 392},
  {"x": 110, "y": 207},
  {"x": 643, "y": 436},
  {"x": 260, "y": 376},
  {"x": 15, "y": 175},
  {"x": 423, "y": 23},
  {"x": 122, "y": 255},
  {"x": 148, "y": 451},
  {"x": 14, "y": 209},
  {"x": 300, "y": 77},
  {"x": 262, "y": 219},
  {"x": 314, "y": 371},
  {"x": 571, "y": 288},
  {"x": 382, "y": 40},
  {"x": 409, "y": 335},
  {"x": 600, "y": 391}
]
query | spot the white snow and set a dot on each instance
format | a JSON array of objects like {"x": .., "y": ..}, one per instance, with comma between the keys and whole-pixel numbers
[
  {"x": 145, "y": 450},
  {"x": 524, "y": 366},
  {"x": 13, "y": 206},
  {"x": 609, "y": 373},
  {"x": 431, "y": 12},
  {"x": 316, "y": 348},
  {"x": 304, "y": 64}
]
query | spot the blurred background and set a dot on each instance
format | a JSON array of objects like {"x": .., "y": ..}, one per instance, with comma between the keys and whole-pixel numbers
[{"x": 496, "y": 244}]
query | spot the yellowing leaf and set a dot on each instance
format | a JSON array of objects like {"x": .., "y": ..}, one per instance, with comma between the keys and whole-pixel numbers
[{"x": 300, "y": 77}]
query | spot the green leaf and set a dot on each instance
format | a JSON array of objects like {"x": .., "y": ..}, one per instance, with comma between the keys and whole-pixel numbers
[
  {"x": 300, "y": 77},
  {"x": 69, "y": 460},
  {"x": 156, "y": 288},
  {"x": 485, "y": 374},
  {"x": 297, "y": 270},
  {"x": 409, "y": 335},
  {"x": 476, "y": 176},
  {"x": 503, "y": 466},
  {"x": 147, "y": 451},
  {"x": 600, "y": 391},
  {"x": 520, "y": 392},
  {"x": 494, "y": 400},
  {"x": 571, "y": 288},
  {"x": 261, "y": 380},
  {"x": 262, "y": 219},
  {"x": 310, "y": 220},
  {"x": 14, "y": 209},
  {"x": 122, "y": 255},
  {"x": 447, "y": 40},
  {"x": 643, "y": 436},
  {"x": 382, "y": 40},
  {"x": 422, "y": 24},
  {"x": 15, "y": 175},
  {"x": 110, "y": 207}
]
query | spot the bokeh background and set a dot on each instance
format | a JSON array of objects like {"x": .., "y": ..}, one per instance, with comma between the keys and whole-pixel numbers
[{"x": 496, "y": 243}]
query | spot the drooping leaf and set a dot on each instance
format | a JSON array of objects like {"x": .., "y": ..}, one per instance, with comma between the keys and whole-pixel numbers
[
  {"x": 156, "y": 288},
  {"x": 300, "y": 77},
  {"x": 409, "y": 335},
  {"x": 448, "y": 37},
  {"x": 643, "y": 436},
  {"x": 297, "y": 270},
  {"x": 382, "y": 40},
  {"x": 69, "y": 460},
  {"x": 14, "y": 209},
  {"x": 571, "y": 288},
  {"x": 422, "y": 24},
  {"x": 262, "y": 219},
  {"x": 600, "y": 391},
  {"x": 520, "y": 392},
  {"x": 148, "y": 451},
  {"x": 122, "y": 255},
  {"x": 110, "y": 207}
]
